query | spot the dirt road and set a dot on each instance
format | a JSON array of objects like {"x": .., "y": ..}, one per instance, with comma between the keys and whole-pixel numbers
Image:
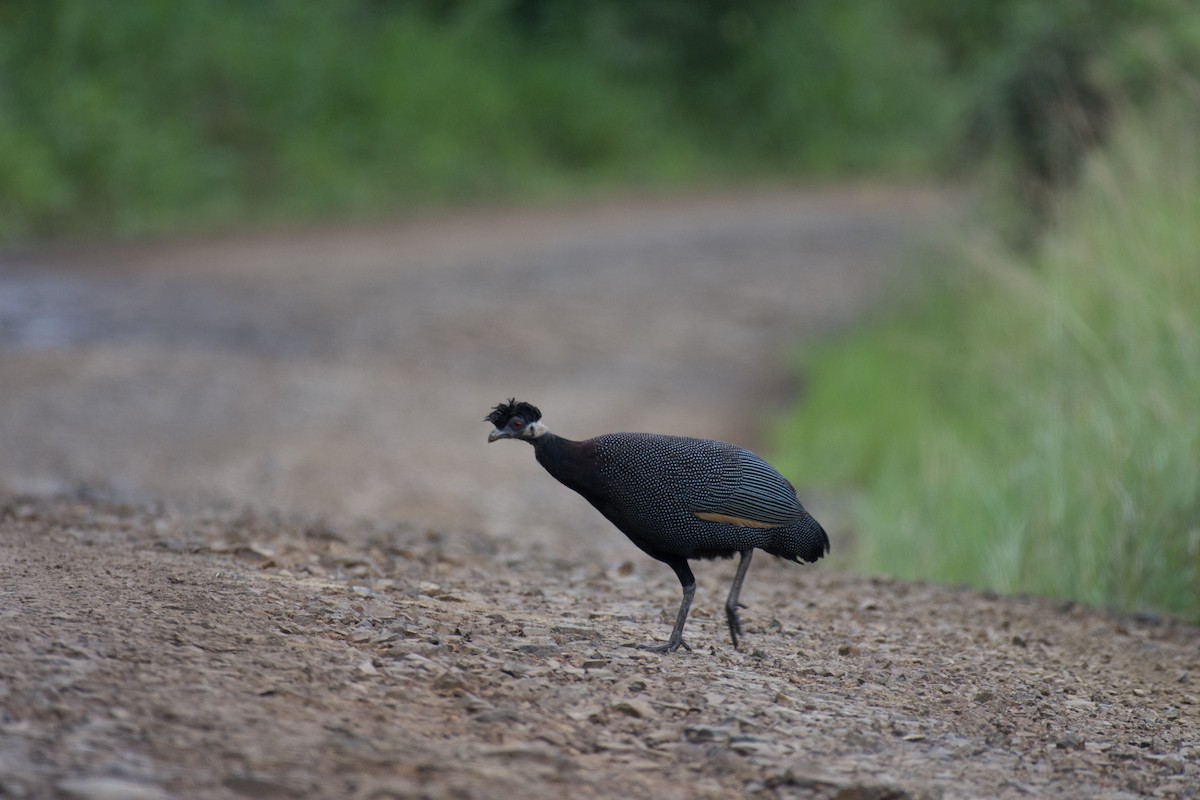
[
  {"x": 283, "y": 562},
  {"x": 347, "y": 371}
]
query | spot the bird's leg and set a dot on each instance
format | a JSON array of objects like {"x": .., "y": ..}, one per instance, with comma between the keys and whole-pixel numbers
[
  {"x": 732, "y": 604},
  {"x": 689, "y": 591}
]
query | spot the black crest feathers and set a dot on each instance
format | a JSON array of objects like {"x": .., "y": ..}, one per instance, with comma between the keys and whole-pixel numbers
[{"x": 502, "y": 413}]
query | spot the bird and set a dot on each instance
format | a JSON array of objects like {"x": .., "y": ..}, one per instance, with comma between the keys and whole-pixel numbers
[{"x": 677, "y": 498}]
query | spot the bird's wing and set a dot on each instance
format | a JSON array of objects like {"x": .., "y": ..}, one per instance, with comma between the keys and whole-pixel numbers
[{"x": 746, "y": 491}]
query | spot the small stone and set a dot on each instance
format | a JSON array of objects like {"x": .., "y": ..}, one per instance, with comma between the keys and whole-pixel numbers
[
  {"x": 583, "y": 713},
  {"x": 474, "y": 704},
  {"x": 705, "y": 733},
  {"x": 515, "y": 668},
  {"x": 574, "y": 631},
  {"x": 261, "y": 788},
  {"x": 531, "y": 752},
  {"x": 635, "y": 708},
  {"x": 866, "y": 792},
  {"x": 102, "y": 788},
  {"x": 449, "y": 682},
  {"x": 503, "y": 716},
  {"x": 749, "y": 745},
  {"x": 1170, "y": 760},
  {"x": 782, "y": 699},
  {"x": 662, "y": 736}
]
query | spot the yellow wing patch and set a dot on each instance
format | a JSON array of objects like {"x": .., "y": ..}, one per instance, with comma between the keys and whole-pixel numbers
[{"x": 742, "y": 521}]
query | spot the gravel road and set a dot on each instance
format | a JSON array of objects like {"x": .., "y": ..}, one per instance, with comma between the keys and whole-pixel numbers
[
  {"x": 253, "y": 543},
  {"x": 346, "y": 371}
]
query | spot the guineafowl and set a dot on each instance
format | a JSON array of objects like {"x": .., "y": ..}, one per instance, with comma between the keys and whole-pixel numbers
[{"x": 676, "y": 498}]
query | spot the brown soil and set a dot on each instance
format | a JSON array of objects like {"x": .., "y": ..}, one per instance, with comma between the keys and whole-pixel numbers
[{"x": 253, "y": 544}]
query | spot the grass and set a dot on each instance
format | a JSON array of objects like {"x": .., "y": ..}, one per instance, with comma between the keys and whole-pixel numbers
[
  {"x": 162, "y": 116},
  {"x": 171, "y": 116},
  {"x": 1034, "y": 424}
]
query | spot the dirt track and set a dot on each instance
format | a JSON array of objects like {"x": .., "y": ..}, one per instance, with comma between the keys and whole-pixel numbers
[{"x": 348, "y": 594}]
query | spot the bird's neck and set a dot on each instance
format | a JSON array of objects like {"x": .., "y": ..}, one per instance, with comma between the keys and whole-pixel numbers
[
  {"x": 571, "y": 463},
  {"x": 553, "y": 450}
]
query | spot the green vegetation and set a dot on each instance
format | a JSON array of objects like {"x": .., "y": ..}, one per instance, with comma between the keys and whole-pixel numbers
[
  {"x": 152, "y": 115},
  {"x": 1029, "y": 422},
  {"x": 1034, "y": 424}
]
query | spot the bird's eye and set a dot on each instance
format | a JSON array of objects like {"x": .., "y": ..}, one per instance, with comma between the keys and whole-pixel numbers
[{"x": 516, "y": 424}]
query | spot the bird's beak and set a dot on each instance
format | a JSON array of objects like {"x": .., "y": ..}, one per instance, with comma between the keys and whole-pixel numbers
[{"x": 496, "y": 434}]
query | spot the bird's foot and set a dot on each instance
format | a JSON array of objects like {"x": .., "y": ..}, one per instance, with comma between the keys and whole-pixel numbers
[
  {"x": 669, "y": 647},
  {"x": 735, "y": 622}
]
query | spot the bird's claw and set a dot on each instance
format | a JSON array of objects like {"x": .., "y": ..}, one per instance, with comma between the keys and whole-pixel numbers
[
  {"x": 669, "y": 647},
  {"x": 735, "y": 623}
]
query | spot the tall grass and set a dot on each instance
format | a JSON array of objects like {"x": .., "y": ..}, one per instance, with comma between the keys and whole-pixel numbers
[{"x": 1035, "y": 425}]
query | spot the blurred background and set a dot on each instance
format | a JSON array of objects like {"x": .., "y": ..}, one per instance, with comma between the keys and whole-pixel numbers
[{"x": 287, "y": 254}]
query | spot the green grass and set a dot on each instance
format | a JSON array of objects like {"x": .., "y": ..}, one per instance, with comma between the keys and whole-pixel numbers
[
  {"x": 166, "y": 116},
  {"x": 146, "y": 116},
  {"x": 1034, "y": 424}
]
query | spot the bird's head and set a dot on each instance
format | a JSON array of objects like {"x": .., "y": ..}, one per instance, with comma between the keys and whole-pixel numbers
[{"x": 515, "y": 420}]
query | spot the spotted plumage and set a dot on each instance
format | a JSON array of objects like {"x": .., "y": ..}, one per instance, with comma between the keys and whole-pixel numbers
[{"x": 676, "y": 498}]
